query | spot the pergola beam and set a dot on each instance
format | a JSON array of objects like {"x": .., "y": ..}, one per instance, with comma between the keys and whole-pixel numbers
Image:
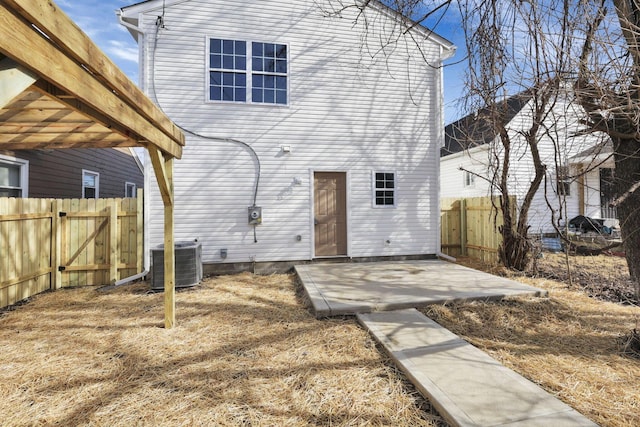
[
  {"x": 28, "y": 47},
  {"x": 52, "y": 21}
]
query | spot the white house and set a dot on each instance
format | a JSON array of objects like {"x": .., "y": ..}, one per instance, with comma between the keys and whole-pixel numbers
[
  {"x": 328, "y": 134},
  {"x": 578, "y": 169}
]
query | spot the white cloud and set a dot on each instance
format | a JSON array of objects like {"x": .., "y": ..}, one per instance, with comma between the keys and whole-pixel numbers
[{"x": 122, "y": 50}]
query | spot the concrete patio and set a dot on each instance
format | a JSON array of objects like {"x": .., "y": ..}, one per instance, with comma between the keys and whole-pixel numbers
[{"x": 351, "y": 288}]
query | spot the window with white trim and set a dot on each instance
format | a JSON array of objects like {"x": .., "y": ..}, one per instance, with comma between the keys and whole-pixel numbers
[
  {"x": 260, "y": 77},
  {"x": 14, "y": 177},
  {"x": 469, "y": 179},
  {"x": 384, "y": 188},
  {"x": 130, "y": 189},
  {"x": 563, "y": 176},
  {"x": 90, "y": 184}
]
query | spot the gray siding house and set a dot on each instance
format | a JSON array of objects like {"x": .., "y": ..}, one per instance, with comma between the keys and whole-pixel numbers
[
  {"x": 331, "y": 139},
  {"x": 70, "y": 173}
]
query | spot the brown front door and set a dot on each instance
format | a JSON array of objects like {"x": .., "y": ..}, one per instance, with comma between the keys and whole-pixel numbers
[{"x": 330, "y": 208}]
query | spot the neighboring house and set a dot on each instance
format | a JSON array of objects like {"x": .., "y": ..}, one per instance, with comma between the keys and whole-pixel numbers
[
  {"x": 576, "y": 180},
  {"x": 70, "y": 173},
  {"x": 285, "y": 109}
]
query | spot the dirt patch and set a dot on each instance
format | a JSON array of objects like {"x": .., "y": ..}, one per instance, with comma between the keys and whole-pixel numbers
[
  {"x": 570, "y": 343},
  {"x": 245, "y": 352},
  {"x": 604, "y": 277}
]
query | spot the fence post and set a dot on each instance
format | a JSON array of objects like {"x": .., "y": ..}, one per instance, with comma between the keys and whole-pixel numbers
[
  {"x": 463, "y": 227},
  {"x": 56, "y": 244},
  {"x": 139, "y": 231},
  {"x": 114, "y": 253}
]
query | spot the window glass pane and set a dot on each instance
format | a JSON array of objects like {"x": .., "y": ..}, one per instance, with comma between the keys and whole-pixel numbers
[
  {"x": 269, "y": 96},
  {"x": 227, "y": 94},
  {"x": 10, "y": 175},
  {"x": 5, "y": 192},
  {"x": 215, "y": 78},
  {"x": 215, "y": 93},
  {"x": 281, "y": 97},
  {"x": 258, "y": 81},
  {"x": 89, "y": 193},
  {"x": 281, "y": 66},
  {"x": 240, "y": 48},
  {"x": 227, "y": 62},
  {"x": 215, "y": 46},
  {"x": 256, "y": 49},
  {"x": 256, "y": 95},
  {"x": 240, "y": 94},
  {"x": 241, "y": 80},
  {"x": 88, "y": 180},
  {"x": 241, "y": 63},
  {"x": 281, "y": 82},
  {"x": 269, "y": 50},
  {"x": 228, "y": 46},
  {"x": 269, "y": 81},
  {"x": 216, "y": 61},
  {"x": 281, "y": 51},
  {"x": 270, "y": 65}
]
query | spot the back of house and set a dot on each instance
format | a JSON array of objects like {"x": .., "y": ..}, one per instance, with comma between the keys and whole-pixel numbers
[{"x": 312, "y": 131}]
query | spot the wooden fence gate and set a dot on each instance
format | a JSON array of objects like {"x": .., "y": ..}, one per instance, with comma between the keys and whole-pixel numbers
[
  {"x": 57, "y": 243},
  {"x": 469, "y": 227}
]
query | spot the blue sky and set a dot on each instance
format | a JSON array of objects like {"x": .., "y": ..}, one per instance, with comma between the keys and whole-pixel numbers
[{"x": 97, "y": 18}]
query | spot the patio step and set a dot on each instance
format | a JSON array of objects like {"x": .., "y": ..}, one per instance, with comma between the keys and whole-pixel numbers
[{"x": 465, "y": 385}]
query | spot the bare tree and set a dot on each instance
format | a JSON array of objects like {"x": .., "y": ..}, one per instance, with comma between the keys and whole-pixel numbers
[
  {"x": 543, "y": 51},
  {"x": 608, "y": 87}
]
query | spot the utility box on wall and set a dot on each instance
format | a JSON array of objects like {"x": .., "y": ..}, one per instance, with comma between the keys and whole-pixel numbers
[
  {"x": 188, "y": 267},
  {"x": 255, "y": 215}
]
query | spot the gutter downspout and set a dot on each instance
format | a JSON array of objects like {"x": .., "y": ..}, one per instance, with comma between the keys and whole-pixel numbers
[{"x": 441, "y": 124}]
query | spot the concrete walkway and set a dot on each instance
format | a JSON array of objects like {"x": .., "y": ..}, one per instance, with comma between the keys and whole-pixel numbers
[
  {"x": 347, "y": 289},
  {"x": 465, "y": 385}
]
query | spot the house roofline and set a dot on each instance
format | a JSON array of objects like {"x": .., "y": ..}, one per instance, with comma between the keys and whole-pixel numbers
[{"x": 125, "y": 13}]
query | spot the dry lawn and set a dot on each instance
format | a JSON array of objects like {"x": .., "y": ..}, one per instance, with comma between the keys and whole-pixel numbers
[
  {"x": 567, "y": 343},
  {"x": 245, "y": 353}
]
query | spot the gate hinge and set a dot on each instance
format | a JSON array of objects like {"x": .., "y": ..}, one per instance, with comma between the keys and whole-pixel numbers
[
  {"x": 61, "y": 214},
  {"x": 62, "y": 268}
]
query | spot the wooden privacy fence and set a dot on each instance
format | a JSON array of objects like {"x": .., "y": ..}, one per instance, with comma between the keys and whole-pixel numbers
[
  {"x": 52, "y": 244},
  {"x": 469, "y": 228}
]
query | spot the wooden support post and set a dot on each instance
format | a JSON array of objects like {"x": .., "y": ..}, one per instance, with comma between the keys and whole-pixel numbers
[
  {"x": 163, "y": 168},
  {"x": 169, "y": 254},
  {"x": 114, "y": 252},
  {"x": 139, "y": 231}
]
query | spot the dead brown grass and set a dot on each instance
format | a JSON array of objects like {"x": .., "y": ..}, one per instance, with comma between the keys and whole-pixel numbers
[
  {"x": 245, "y": 353},
  {"x": 568, "y": 343}
]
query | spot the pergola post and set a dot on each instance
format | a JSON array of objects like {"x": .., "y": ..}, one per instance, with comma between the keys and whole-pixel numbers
[{"x": 163, "y": 167}]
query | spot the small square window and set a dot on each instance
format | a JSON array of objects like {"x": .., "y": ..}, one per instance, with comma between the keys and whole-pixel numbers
[
  {"x": 384, "y": 189},
  {"x": 130, "y": 189}
]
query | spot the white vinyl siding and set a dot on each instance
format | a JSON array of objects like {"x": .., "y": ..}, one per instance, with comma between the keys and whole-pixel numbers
[{"x": 347, "y": 112}]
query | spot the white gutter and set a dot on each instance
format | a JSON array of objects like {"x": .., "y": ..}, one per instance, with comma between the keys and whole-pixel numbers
[{"x": 126, "y": 24}]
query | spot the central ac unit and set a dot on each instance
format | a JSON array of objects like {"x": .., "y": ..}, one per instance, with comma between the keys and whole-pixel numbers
[{"x": 188, "y": 268}]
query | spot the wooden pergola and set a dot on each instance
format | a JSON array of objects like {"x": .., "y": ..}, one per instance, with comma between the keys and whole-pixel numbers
[{"x": 58, "y": 90}]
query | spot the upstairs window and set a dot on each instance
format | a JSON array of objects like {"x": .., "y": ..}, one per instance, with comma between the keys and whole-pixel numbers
[
  {"x": 250, "y": 72},
  {"x": 385, "y": 189}
]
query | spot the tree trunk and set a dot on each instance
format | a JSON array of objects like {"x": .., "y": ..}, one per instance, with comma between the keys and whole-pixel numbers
[{"x": 627, "y": 173}]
